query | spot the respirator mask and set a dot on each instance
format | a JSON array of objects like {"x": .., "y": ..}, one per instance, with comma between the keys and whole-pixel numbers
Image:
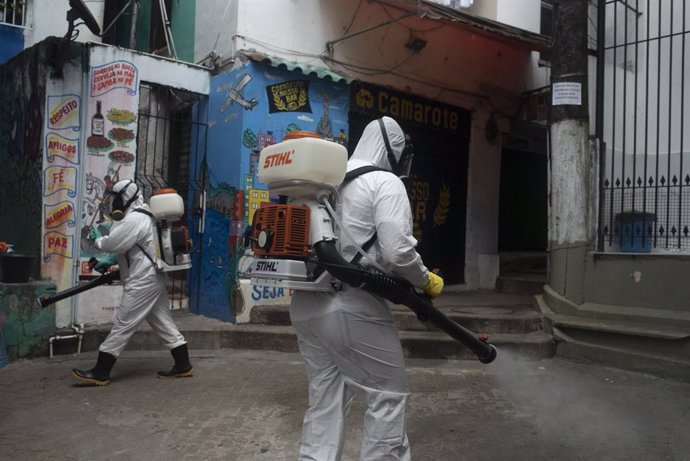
[
  {"x": 401, "y": 167},
  {"x": 119, "y": 206}
]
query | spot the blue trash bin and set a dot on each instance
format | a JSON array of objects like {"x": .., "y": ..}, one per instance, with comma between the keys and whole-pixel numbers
[{"x": 636, "y": 230}]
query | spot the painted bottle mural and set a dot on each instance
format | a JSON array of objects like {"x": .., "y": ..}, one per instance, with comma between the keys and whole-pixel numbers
[{"x": 98, "y": 122}]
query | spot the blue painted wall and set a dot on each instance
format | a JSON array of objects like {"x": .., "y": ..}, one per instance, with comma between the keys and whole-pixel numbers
[
  {"x": 250, "y": 107},
  {"x": 11, "y": 42}
]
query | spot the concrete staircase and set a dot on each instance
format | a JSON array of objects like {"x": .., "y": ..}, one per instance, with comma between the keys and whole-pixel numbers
[
  {"x": 509, "y": 316},
  {"x": 522, "y": 272},
  {"x": 511, "y": 321}
]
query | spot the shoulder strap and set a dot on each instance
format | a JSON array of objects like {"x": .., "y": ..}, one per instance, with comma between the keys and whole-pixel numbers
[
  {"x": 147, "y": 213},
  {"x": 350, "y": 175},
  {"x": 365, "y": 247}
]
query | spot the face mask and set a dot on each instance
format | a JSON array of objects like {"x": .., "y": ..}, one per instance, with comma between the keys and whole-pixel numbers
[
  {"x": 119, "y": 206},
  {"x": 405, "y": 162},
  {"x": 403, "y": 165}
]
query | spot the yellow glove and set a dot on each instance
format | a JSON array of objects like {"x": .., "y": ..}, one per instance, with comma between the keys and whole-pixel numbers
[{"x": 434, "y": 285}]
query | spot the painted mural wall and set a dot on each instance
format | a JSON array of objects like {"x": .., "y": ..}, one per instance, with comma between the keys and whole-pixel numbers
[
  {"x": 67, "y": 136},
  {"x": 88, "y": 135},
  {"x": 111, "y": 130},
  {"x": 62, "y": 134},
  {"x": 253, "y": 105},
  {"x": 109, "y": 136}
]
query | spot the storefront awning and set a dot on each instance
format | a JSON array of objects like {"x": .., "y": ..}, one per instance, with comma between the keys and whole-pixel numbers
[
  {"x": 492, "y": 29},
  {"x": 306, "y": 69}
]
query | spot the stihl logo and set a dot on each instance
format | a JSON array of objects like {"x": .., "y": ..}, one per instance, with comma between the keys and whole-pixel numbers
[
  {"x": 283, "y": 158},
  {"x": 266, "y": 266}
]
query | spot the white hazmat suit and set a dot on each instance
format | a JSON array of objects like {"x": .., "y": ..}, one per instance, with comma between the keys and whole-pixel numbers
[
  {"x": 144, "y": 294},
  {"x": 348, "y": 338}
]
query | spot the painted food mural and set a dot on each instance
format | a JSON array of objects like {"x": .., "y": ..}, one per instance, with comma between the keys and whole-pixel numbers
[
  {"x": 121, "y": 156},
  {"x": 121, "y": 116},
  {"x": 121, "y": 135}
]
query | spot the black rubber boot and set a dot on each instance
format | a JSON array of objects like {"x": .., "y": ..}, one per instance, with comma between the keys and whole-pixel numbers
[
  {"x": 182, "y": 368},
  {"x": 98, "y": 375}
]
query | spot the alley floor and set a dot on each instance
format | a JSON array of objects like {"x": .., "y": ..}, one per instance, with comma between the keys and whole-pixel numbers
[{"x": 247, "y": 405}]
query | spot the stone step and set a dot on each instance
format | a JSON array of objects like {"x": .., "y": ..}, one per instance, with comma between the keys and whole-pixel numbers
[
  {"x": 480, "y": 319},
  {"x": 524, "y": 283},
  {"x": 416, "y": 344},
  {"x": 523, "y": 261}
]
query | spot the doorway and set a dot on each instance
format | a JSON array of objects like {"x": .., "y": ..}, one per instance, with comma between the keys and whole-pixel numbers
[{"x": 522, "y": 210}]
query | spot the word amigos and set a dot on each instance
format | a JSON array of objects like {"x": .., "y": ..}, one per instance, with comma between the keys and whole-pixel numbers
[{"x": 59, "y": 146}]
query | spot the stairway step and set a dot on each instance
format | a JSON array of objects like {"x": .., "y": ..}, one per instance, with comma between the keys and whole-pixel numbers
[
  {"x": 416, "y": 344},
  {"x": 477, "y": 319},
  {"x": 521, "y": 283},
  {"x": 205, "y": 333},
  {"x": 427, "y": 345},
  {"x": 477, "y": 322},
  {"x": 523, "y": 260}
]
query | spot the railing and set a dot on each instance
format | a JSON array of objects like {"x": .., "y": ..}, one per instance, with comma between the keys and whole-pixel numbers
[
  {"x": 642, "y": 93},
  {"x": 170, "y": 141}
]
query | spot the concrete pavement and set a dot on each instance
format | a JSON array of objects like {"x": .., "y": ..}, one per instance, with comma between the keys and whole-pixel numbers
[{"x": 247, "y": 405}]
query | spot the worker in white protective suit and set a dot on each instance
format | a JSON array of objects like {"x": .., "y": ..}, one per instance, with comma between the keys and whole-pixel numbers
[
  {"x": 348, "y": 338},
  {"x": 132, "y": 237}
]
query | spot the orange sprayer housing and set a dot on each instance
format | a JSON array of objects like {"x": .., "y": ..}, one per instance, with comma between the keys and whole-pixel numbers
[{"x": 289, "y": 225}]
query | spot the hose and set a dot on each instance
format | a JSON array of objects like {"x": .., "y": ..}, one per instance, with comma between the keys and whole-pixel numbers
[
  {"x": 402, "y": 292},
  {"x": 108, "y": 277}
]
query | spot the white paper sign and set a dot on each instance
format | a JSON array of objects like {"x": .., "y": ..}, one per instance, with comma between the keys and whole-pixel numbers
[{"x": 567, "y": 93}]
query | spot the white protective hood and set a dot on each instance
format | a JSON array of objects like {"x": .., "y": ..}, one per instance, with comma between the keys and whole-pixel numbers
[{"x": 371, "y": 148}]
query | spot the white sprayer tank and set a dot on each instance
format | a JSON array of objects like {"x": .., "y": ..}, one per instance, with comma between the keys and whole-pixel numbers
[
  {"x": 302, "y": 158},
  {"x": 167, "y": 204}
]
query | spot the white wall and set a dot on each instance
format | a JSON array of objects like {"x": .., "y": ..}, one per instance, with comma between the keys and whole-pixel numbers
[
  {"x": 485, "y": 8},
  {"x": 46, "y": 18},
  {"x": 524, "y": 14},
  {"x": 214, "y": 29}
]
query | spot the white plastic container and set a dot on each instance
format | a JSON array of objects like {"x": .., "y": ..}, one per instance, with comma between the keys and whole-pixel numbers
[
  {"x": 303, "y": 158},
  {"x": 167, "y": 204}
]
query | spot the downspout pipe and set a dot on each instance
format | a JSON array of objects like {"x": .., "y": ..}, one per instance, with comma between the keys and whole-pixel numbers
[{"x": 399, "y": 291}]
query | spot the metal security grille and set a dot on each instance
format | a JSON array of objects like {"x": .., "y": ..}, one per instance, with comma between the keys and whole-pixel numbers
[
  {"x": 171, "y": 145},
  {"x": 13, "y": 12},
  {"x": 642, "y": 95}
]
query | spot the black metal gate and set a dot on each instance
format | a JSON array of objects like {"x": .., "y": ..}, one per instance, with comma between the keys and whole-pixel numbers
[
  {"x": 171, "y": 152},
  {"x": 642, "y": 68}
]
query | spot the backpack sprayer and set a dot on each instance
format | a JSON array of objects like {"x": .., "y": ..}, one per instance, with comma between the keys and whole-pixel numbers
[
  {"x": 171, "y": 242},
  {"x": 174, "y": 247},
  {"x": 294, "y": 244}
]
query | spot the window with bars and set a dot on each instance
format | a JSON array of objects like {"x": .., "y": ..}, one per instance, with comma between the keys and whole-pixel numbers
[{"x": 13, "y": 12}]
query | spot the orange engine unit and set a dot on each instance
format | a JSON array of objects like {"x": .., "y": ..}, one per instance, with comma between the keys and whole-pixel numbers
[{"x": 289, "y": 228}]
